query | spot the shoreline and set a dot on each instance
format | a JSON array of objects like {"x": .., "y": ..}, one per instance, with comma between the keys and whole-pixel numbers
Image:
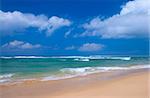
[
  {"x": 79, "y": 87},
  {"x": 119, "y": 70}
]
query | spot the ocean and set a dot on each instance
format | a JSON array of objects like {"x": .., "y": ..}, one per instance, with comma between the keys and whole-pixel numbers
[{"x": 21, "y": 68}]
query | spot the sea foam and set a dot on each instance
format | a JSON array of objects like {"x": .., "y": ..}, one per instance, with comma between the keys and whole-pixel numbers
[
  {"x": 74, "y": 72},
  {"x": 6, "y": 78},
  {"x": 76, "y": 58},
  {"x": 100, "y": 69}
]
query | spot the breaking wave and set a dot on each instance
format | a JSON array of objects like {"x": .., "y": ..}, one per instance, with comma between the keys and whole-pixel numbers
[
  {"x": 5, "y": 77},
  {"x": 82, "y": 59},
  {"x": 76, "y": 58},
  {"x": 88, "y": 58},
  {"x": 100, "y": 69},
  {"x": 74, "y": 72}
]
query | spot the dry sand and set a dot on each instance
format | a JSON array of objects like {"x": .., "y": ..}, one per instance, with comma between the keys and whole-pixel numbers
[{"x": 131, "y": 85}]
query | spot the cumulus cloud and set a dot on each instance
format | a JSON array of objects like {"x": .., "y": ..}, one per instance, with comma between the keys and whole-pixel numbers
[
  {"x": 12, "y": 22},
  {"x": 90, "y": 47},
  {"x": 20, "y": 45},
  {"x": 132, "y": 21}
]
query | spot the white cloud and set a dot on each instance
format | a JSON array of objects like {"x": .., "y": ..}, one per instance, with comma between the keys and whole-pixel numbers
[
  {"x": 70, "y": 48},
  {"x": 12, "y": 22},
  {"x": 90, "y": 47},
  {"x": 136, "y": 6},
  {"x": 55, "y": 23},
  {"x": 20, "y": 45},
  {"x": 67, "y": 33},
  {"x": 132, "y": 21}
]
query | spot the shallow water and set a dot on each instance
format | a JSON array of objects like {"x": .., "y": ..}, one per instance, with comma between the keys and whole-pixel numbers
[{"x": 19, "y": 68}]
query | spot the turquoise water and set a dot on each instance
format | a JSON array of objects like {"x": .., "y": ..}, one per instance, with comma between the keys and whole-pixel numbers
[{"x": 19, "y": 68}]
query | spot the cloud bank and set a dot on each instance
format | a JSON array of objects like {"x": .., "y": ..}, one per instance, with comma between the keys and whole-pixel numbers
[
  {"x": 20, "y": 45},
  {"x": 90, "y": 47},
  {"x": 132, "y": 21},
  {"x": 13, "y": 22}
]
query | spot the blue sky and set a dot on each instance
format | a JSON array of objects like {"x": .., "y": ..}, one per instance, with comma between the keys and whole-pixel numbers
[{"x": 74, "y": 27}]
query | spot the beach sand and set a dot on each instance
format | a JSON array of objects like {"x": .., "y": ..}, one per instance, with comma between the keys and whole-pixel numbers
[{"x": 131, "y": 85}]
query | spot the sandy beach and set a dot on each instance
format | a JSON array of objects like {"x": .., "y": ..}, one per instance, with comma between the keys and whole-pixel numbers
[
  {"x": 131, "y": 85},
  {"x": 74, "y": 49}
]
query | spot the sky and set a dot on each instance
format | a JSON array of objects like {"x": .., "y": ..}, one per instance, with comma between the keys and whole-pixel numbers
[{"x": 74, "y": 27}]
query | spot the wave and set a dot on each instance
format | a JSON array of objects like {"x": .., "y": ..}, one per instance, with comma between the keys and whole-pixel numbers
[
  {"x": 74, "y": 72},
  {"x": 100, "y": 69},
  {"x": 87, "y": 58},
  {"x": 81, "y": 58},
  {"x": 110, "y": 57},
  {"x": 6, "y": 78},
  {"x": 4, "y": 57}
]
